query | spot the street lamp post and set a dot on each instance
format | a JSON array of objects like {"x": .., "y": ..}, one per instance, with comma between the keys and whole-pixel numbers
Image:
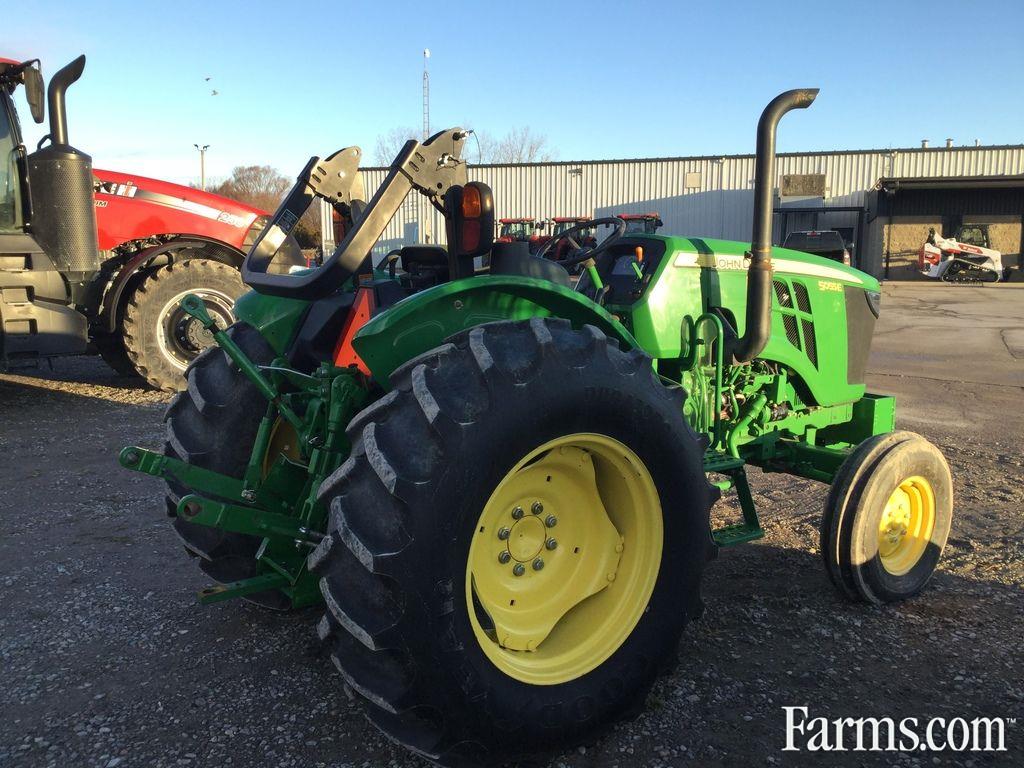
[{"x": 202, "y": 165}]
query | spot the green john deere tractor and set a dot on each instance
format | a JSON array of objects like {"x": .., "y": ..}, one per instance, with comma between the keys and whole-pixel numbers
[{"x": 497, "y": 481}]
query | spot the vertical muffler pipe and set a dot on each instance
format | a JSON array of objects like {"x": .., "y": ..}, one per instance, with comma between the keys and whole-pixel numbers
[
  {"x": 59, "y": 84},
  {"x": 63, "y": 219},
  {"x": 759, "y": 275}
]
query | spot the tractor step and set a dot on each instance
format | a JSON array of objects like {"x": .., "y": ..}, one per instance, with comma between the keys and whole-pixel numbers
[
  {"x": 721, "y": 462},
  {"x": 728, "y": 535},
  {"x": 736, "y": 480}
]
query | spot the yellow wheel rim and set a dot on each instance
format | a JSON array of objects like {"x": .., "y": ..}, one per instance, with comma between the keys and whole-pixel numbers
[
  {"x": 906, "y": 525},
  {"x": 284, "y": 441},
  {"x": 564, "y": 559}
]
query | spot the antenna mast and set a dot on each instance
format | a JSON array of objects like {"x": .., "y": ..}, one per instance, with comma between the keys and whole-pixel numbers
[{"x": 426, "y": 95}]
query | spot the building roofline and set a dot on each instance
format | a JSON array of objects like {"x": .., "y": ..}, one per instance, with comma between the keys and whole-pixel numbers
[
  {"x": 994, "y": 181},
  {"x": 694, "y": 158}
]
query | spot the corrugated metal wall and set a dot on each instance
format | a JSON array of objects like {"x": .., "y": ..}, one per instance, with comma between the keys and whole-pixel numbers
[{"x": 705, "y": 196}]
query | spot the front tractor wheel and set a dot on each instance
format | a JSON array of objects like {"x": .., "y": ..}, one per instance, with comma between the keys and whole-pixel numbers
[
  {"x": 160, "y": 338},
  {"x": 887, "y": 518},
  {"x": 515, "y": 543}
]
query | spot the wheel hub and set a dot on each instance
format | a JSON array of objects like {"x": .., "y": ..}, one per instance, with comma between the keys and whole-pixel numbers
[
  {"x": 906, "y": 525},
  {"x": 526, "y": 540},
  {"x": 181, "y": 337},
  {"x": 536, "y": 593}
]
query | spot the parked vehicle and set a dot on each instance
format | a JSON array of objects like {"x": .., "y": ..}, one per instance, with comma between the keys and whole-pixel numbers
[
  {"x": 641, "y": 223},
  {"x": 524, "y": 230},
  {"x": 826, "y": 242},
  {"x": 563, "y": 246},
  {"x": 98, "y": 261},
  {"x": 497, "y": 482},
  {"x": 963, "y": 258}
]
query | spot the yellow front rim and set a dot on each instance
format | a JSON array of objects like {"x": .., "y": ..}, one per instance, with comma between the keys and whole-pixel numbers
[
  {"x": 906, "y": 525},
  {"x": 564, "y": 559}
]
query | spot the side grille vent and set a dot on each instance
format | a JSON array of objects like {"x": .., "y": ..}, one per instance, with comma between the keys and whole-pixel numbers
[
  {"x": 810, "y": 345},
  {"x": 796, "y": 317},
  {"x": 791, "y": 332},
  {"x": 782, "y": 294},
  {"x": 803, "y": 302}
]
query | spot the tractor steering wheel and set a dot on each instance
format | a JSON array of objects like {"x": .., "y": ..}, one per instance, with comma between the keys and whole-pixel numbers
[{"x": 584, "y": 253}]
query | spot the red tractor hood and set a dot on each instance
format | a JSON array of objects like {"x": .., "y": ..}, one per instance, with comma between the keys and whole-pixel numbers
[{"x": 130, "y": 207}]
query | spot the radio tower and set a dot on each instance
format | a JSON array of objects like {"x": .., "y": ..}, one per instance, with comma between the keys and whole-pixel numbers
[{"x": 426, "y": 95}]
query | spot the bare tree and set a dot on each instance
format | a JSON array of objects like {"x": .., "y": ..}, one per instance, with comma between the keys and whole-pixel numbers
[
  {"x": 257, "y": 185},
  {"x": 389, "y": 143},
  {"x": 519, "y": 145},
  {"x": 263, "y": 187}
]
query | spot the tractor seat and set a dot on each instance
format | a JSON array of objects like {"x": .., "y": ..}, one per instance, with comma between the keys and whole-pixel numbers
[
  {"x": 423, "y": 266},
  {"x": 515, "y": 259}
]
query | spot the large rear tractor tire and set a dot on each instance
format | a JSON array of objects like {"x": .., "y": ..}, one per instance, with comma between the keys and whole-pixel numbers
[
  {"x": 515, "y": 542},
  {"x": 160, "y": 339},
  {"x": 887, "y": 518},
  {"x": 213, "y": 424}
]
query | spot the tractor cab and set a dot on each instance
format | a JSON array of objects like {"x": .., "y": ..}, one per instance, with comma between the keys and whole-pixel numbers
[
  {"x": 641, "y": 223},
  {"x": 522, "y": 230}
]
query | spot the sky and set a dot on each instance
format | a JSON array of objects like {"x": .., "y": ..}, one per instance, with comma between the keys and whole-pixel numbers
[{"x": 598, "y": 79}]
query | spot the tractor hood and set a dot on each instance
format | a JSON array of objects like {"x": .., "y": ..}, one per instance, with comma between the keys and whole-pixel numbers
[
  {"x": 130, "y": 207},
  {"x": 731, "y": 255}
]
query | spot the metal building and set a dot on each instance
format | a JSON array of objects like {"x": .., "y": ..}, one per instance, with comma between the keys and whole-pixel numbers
[{"x": 708, "y": 196}]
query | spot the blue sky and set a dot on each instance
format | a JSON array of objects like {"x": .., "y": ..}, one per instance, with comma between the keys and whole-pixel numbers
[{"x": 600, "y": 80}]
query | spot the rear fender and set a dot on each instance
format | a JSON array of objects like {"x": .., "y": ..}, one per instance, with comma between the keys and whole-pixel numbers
[
  {"x": 423, "y": 321},
  {"x": 113, "y": 296}
]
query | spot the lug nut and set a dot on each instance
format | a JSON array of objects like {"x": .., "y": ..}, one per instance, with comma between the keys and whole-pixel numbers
[
  {"x": 503, "y": 533},
  {"x": 517, "y": 513},
  {"x": 551, "y": 521},
  {"x": 537, "y": 507},
  {"x": 504, "y": 557},
  {"x": 538, "y": 564},
  {"x": 519, "y": 569},
  {"x": 550, "y": 543},
  {"x": 248, "y": 494}
]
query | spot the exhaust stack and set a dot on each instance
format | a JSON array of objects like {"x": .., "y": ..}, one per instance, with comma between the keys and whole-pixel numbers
[
  {"x": 759, "y": 276},
  {"x": 59, "y": 84}
]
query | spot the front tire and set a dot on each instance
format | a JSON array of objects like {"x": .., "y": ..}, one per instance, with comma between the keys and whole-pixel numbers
[
  {"x": 159, "y": 338},
  {"x": 887, "y": 518},
  {"x": 528, "y": 411}
]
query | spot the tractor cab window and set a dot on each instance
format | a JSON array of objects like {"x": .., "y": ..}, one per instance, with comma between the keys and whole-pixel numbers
[
  {"x": 10, "y": 197},
  {"x": 518, "y": 230}
]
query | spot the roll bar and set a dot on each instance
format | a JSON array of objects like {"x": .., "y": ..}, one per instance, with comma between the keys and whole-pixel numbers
[{"x": 431, "y": 168}]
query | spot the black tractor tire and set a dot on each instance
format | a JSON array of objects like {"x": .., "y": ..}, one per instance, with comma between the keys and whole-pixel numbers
[
  {"x": 213, "y": 424},
  {"x": 159, "y": 353},
  {"x": 854, "y": 508},
  {"x": 404, "y": 508},
  {"x": 112, "y": 350},
  {"x": 860, "y": 461}
]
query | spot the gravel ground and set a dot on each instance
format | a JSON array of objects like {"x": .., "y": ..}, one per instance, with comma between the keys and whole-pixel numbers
[{"x": 107, "y": 660}]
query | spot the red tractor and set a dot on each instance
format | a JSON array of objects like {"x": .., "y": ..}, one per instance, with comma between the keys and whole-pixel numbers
[
  {"x": 641, "y": 223},
  {"x": 524, "y": 229},
  {"x": 562, "y": 248},
  {"x": 97, "y": 261}
]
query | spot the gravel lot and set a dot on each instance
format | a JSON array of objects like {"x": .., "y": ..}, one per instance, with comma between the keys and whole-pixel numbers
[{"x": 107, "y": 660}]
